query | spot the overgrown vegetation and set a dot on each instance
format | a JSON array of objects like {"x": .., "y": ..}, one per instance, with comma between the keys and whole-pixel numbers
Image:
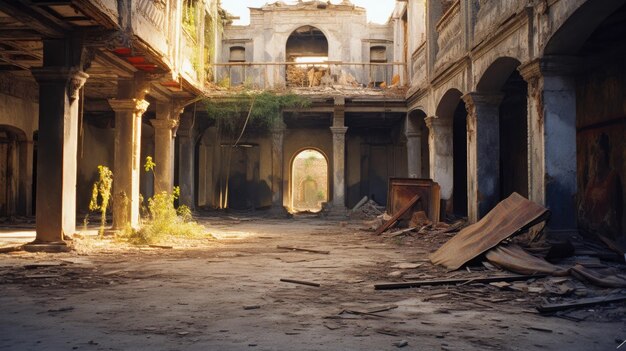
[
  {"x": 101, "y": 194},
  {"x": 262, "y": 110},
  {"x": 164, "y": 221}
]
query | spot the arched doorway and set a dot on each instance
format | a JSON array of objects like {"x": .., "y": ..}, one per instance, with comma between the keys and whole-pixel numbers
[
  {"x": 306, "y": 45},
  {"x": 309, "y": 181},
  {"x": 503, "y": 81},
  {"x": 451, "y": 172},
  {"x": 13, "y": 171}
]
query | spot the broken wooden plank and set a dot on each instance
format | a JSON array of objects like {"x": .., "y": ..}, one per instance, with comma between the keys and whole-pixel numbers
[
  {"x": 401, "y": 232},
  {"x": 434, "y": 282},
  {"x": 301, "y": 249},
  {"x": 396, "y": 216},
  {"x": 299, "y": 282},
  {"x": 554, "y": 307}
]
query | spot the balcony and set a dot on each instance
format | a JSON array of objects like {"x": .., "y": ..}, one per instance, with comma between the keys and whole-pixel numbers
[
  {"x": 418, "y": 66},
  {"x": 150, "y": 23},
  {"x": 449, "y": 36},
  {"x": 190, "y": 57},
  {"x": 491, "y": 14},
  {"x": 313, "y": 75}
]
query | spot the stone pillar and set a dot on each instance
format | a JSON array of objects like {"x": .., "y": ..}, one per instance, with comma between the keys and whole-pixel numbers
[
  {"x": 441, "y": 158},
  {"x": 127, "y": 161},
  {"x": 339, "y": 157},
  {"x": 186, "y": 160},
  {"x": 56, "y": 161},
  {"x": 414, "y": 154},
  {"x": 278, "y": 136},
  {"x": 483, "y": 153},
  {"x": 552, "y": 138},
  {"x": 164, "y": 125}
]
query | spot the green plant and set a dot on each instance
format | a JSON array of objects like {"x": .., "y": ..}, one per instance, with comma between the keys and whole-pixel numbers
[
  {"x": 163, "y": 220},
  {"x": 101, "y": 190}
]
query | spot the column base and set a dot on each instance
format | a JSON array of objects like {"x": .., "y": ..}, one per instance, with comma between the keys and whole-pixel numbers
[{"x": 52, "y": 247}]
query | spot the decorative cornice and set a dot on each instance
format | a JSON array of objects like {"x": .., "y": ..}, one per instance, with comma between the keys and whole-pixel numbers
[{"x": 550, "y": 66}]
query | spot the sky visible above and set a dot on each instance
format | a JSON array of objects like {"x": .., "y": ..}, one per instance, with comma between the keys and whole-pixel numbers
[{"x": 378, "y": 11}]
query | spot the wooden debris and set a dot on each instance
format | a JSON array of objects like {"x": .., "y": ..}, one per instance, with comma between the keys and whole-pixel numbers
[
  {"x": 554, "y": 307},
  {"x": 161, "y": 246},
  {"x": 397, "y": 216},
  {"x": 504, "y": 278},
  {"x": 304, "y": 250},
  {"x": 299, "y": 282},
  {"x": 402, "y": 232},
  {"x": 7, "y": 249},
  {"x": 251, "y": 307},
  {"x": 541, "y": 329},
  {"x": 406, "y": 265}
]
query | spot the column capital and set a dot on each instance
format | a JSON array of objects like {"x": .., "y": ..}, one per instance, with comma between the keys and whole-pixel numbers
[
  {"x": 549, "y": 66},
  {"x": 339, "y": 101},
  {"x": 476, "y": 98},
  {"x": 164, "y": 123},
  {"x": 338, "y": 130},
  {"x": 72, "y": 77},
  {"x": 129, "y": 105},
  {"x": 434, "y": 122}
]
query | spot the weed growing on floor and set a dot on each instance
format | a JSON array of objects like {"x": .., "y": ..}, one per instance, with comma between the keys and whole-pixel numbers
[
  {"x": 101, "y": 194},
  {"x": 163, "y": 220}
]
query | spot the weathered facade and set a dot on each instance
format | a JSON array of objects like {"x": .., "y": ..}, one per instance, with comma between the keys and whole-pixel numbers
[
  {"x": 523, "y": 96},
  {"x": 485, "y": 97}
]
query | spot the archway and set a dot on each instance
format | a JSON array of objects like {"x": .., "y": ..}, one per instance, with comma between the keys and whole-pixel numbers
[
  {"x": 503, "y": 80},
  {"x": 452, "y": 150},
  {"x": 309, "y": 181},
  {"x": 306, "y": 45},
  {"x": 13, "y": 171}
]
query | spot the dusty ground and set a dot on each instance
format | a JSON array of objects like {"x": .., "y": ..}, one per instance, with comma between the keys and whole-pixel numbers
[{"x": 226, "y": 294}]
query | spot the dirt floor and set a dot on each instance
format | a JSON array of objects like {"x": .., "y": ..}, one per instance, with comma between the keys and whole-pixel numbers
[{"x": 226, "y": 294}]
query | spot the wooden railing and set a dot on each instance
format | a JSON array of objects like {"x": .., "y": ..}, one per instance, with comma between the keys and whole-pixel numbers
[{"x": 449, "y": 36}]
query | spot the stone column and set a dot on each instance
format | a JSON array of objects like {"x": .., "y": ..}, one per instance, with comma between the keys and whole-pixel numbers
[
  {"x": 163, "y": 150},
  {"x": 186, "y": 160},
  {"x": 278, "y": 136},
  {"x": 127, "y": 163},
  {"x": 441, "y": 158},
  {"x": 339, "y": 157},
  {"x": 552, "y": 138},
  {"x": 414, "y": 154},
  {"x": 56, "y": 159},
  {"x": 483, "y": 153}
]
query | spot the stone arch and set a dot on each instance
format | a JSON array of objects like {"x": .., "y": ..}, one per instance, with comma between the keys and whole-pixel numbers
[
  {"x": 303, "y": 174},
  {"x": 497, "y": 73},
  {"x": 306, "y": 44},
  {"x": 571, "y": 35}
]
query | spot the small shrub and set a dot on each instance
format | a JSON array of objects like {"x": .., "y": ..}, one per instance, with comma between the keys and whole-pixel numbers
[{"x": 101, "y": 191}]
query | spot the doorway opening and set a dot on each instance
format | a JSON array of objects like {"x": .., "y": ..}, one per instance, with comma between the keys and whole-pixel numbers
[{"x": 309, "y": 181}]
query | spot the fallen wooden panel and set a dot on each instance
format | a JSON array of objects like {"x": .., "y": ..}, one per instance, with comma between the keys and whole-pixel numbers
[
  {"x": 515, "y": 259},
  {"x": 435, "y": 282},
  {"x": 554, "y": 307},
  {"x": 510, "y": 216},
  {"x": 609, "y": 278},
  {"x": 401, "y": 190},
  {"x": 398, "y": 214}
]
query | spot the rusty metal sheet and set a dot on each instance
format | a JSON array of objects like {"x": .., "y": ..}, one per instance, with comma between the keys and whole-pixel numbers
[
  {"x": 515, "y": 259},
  {"x": 512, "y": 215},
  {"x": 402, "y": 190}
]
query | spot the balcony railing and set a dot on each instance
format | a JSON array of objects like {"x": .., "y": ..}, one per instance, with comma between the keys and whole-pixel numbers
[
  {"x": 449, "y": 38},
  {"x": 272, "y": 75}
]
